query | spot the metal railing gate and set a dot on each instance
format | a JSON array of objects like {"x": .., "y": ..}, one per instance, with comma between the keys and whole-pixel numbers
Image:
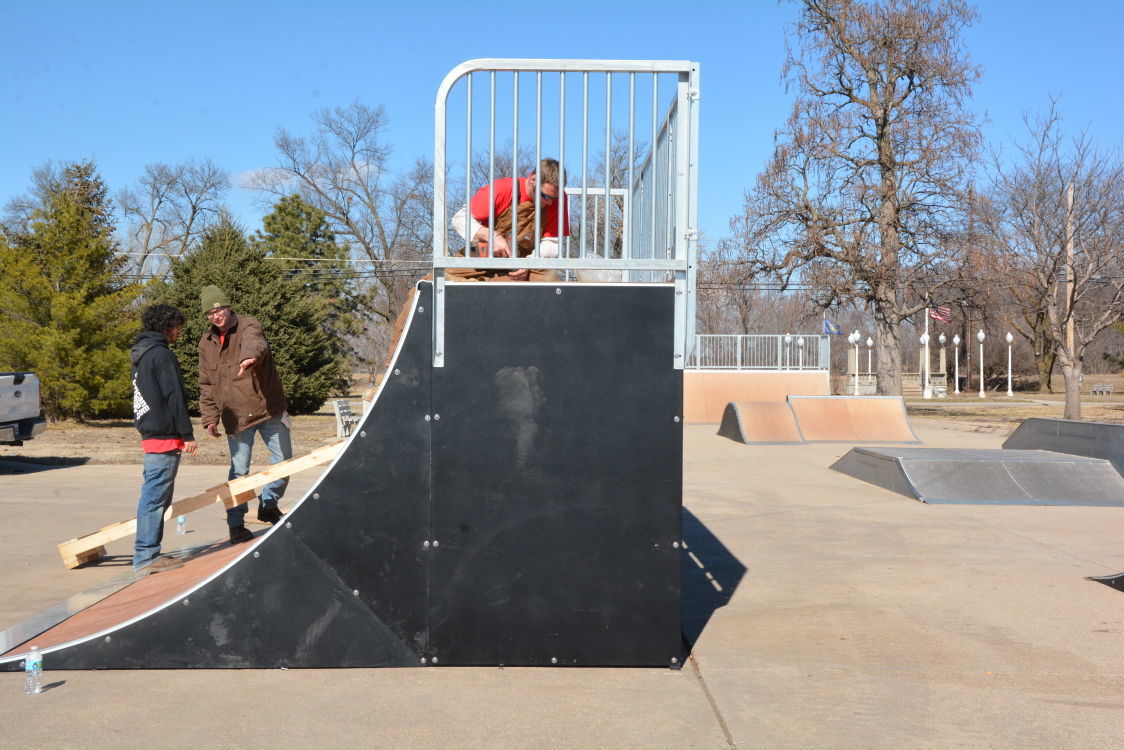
[{"x": 626, "y": 136}]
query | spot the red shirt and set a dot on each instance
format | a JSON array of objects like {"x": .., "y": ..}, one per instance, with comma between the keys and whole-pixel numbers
[
  {"x": 162, "y": 445},
  {"x": 502, "y": 200}
]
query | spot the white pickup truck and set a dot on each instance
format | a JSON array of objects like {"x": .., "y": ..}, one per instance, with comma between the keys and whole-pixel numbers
[{"x": 19, "y": 408}]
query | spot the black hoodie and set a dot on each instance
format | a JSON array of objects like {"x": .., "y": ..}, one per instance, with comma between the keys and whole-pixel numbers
[{"x": 159, "y": 398}]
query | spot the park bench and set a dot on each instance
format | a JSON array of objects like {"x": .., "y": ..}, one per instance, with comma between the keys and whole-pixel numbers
[
  {"x": 345, "y": 418},
  {"x": 1103, "y": 389}
]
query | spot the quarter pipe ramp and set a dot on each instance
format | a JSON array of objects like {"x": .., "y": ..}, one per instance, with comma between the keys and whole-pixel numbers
[{"x": 520, "y": 505}]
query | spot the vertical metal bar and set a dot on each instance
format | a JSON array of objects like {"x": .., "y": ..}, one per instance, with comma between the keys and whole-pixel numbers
[
  {"x": 653, "y": 183},
  {"x": 626, "y": 239},
  {"x": 608, "y": 158},
  {"x": 468, "y": 170},
  {"x": 515, "y": 192},
  {"x": 538, "y": 160},
  {"x": 585, "y": 160},
  {"x": 492, "y": 165},
  {"x": 562, "y": 210},
  {"x": 692, "y": 198}
]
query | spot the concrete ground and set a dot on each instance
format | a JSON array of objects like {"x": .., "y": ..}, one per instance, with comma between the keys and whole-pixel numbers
[{"x": 826, "y": 613}]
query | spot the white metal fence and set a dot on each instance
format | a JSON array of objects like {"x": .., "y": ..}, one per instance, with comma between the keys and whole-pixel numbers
[
  {"x": 761, "y": 352},
  {"x": 626, "y": 135}
]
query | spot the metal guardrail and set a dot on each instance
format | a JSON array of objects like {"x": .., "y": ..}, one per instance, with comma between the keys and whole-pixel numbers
[
  {"x": 634, "y": 208},
  {"x": 760, "y": 352}
]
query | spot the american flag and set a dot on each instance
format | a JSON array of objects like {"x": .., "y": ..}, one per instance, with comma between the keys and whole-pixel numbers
[{"x": 942, "y": 313}]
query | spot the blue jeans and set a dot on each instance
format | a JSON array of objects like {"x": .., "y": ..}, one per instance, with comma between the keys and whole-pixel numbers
[
  {"x": 276, "y": 437},
  {"x": 155, "y": 497}
]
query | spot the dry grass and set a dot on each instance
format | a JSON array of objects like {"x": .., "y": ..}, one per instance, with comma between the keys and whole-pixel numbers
[{"x": 117, "y": 442}]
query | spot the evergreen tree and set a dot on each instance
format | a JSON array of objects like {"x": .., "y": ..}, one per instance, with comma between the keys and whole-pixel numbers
[
  {"x": 297, "y": 238},
  {"x": 293, "y": 321},
  {"x": 66, "y": 306}
]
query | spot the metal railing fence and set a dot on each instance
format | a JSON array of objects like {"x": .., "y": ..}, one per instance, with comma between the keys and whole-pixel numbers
[{"x": 760, "y": 352}]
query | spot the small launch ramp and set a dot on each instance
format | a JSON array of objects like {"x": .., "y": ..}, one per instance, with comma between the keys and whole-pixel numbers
[
  {"x": 989, "y": 477},
  {"x": 760, "y": 422},
  {"x": 852, "y": 419},
  {"x": 1091, "y": 439},
  {"x": 521, "y": 505}
]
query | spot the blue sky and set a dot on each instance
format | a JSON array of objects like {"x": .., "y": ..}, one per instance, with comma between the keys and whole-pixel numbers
[{"x": 132, "y": 83}]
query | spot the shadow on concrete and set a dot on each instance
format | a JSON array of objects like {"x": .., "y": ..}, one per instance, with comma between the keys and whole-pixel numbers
[
  {"x": 711, "y": 574},
  {"x": 10, "y": 465}
]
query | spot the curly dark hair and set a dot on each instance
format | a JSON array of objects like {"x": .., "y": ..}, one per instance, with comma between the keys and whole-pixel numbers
[{"x": 161, "y": 318}]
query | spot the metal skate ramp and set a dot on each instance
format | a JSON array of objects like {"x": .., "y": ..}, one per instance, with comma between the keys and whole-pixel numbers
[
  {"x": 1092, "y": 439},
  {"x": 988, "y": 477}
]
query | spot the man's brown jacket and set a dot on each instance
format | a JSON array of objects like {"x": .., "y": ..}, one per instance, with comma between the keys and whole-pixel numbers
[{"x": 238, "y": 402}]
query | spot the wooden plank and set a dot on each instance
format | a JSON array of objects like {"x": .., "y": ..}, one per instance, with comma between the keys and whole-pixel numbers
[{"x": 82, "y": 549}]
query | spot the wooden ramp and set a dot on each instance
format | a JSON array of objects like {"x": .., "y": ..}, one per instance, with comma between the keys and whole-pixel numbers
[
  {"x": 706, "y": 392},
  {"x": 853, "y": 419},
  {"x": 762, "y": 422}
]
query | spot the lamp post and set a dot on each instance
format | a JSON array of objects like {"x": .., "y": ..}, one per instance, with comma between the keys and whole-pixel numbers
[
  {"x": 956, "y": 361},
  {"x": 869, "y": 351},
  {"x": 981, "y": 337},
  {"x": 944, "y": 365},
  {"x": 787, "y": 351},
  {"x": 1010, "y": 338},
  {"x": 800, "y": 348},
  {"x": 926, "y": 386},
  {"x": 853, "y": 340}
]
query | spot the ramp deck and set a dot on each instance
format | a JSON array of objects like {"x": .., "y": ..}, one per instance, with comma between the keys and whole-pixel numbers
[{"x": 994, "y": 477}]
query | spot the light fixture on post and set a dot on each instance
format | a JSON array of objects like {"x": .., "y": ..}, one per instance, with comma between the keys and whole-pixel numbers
[
  {"x": 1010, "y": 338},
  {"x": 787, "y": 361},
  {"x": 926, "y": 386},
  {"x": 956, "y": 361},
  {"x": 981, "y": 337},
  {"x": 853, "y": 340},
  {"x": 944, "y": 365},
  {"x": 800, "y": 348},
  {"x": 869, "y": 351}
]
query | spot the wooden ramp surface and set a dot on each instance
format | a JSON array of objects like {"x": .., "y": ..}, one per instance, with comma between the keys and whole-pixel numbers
[
  {"x": 853, "y": 419},
  {"x": 760, "y": 422},
  {"x": 706, "y": 392}
]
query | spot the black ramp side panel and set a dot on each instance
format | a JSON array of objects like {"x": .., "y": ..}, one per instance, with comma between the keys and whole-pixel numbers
[
  {"x": 731, "y": 426},
  {"x": 283, "y": 608},
  {"x": 368, "y": 518},
  {"x": 557, "y": 488}
]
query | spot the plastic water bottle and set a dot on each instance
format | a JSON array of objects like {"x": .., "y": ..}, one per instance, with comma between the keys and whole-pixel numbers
[
  {"x": 33, "y": 672},
  {"x": 181, "y": 525}
]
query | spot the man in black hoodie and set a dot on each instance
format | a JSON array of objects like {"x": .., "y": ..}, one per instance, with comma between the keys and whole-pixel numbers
[{"x": 160, "y": 414}]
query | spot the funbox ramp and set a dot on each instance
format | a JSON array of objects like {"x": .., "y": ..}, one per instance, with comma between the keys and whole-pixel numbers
[
  {"x": 1091, "y": 439},
  {"x": 989, "y": 477},
  {"x": 819, "y": 419},
  {"x": 519, "y": 506}
]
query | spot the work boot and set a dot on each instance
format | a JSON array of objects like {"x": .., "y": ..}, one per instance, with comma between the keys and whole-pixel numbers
[
  {"x": 161, "y": 564},
  {"x": 239, "y": 534},
  {"x": 270, "y": 515}
]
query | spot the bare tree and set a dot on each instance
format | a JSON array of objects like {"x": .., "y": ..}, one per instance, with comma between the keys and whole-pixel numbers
[
  {"x": 1057, "y": 238},
  {"x": 863, "y": 199},
  {"x": 169, "y": 209},
  {"x": 343, "y": 169}
]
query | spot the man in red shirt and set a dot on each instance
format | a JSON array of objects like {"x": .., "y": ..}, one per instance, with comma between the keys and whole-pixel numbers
[{"x": 494, "y": 211}]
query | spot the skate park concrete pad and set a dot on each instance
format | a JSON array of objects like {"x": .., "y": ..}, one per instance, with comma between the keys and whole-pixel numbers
[
  {"x": 993, "y": 477},
  {"x": 706, "y": 392},
  {"x": 852, "y": 419},
  {"x": 760, "y": 422},
  {"x": 1091, "y": 439}
]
